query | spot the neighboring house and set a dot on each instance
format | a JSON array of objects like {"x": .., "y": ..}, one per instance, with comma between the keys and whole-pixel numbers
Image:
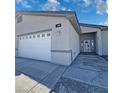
[{"x": 57, "y": 36}]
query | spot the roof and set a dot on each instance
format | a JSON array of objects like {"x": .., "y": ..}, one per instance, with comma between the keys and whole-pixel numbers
[
  {"x": 45, "y": 12},
  {"x": 70, "y": 15},
  {"x": 101, "y": 27}
]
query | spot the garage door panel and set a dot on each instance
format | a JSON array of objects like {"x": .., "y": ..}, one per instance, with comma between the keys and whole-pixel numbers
[{"x": 36, "y": 48}]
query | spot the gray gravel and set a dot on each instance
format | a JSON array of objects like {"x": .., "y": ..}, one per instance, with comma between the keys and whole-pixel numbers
[{"x": 66, "y": 85}]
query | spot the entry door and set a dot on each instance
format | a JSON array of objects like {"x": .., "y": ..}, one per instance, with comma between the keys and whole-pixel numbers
[
  {"x": 87, "y": 47},
  {"x": 35, "y": 46}
]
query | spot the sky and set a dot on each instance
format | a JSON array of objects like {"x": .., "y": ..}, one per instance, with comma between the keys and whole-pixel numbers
[{"x": 87, "y": 11}]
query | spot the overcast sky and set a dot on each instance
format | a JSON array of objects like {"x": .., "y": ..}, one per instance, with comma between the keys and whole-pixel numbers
[{"x": 88, "y": 11}]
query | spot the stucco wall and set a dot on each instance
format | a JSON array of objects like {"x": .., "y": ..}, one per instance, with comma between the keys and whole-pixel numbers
[
  {"x": 59, "y": 36},
  {"x": 102, "y": 42},
  {"x": 37, "y": 23},
  {"x": 98, "y": 42},
  {"x": 60, "y": 43},
  {"x": 104, "y": 35},
  {"x": 88, "y": 29},
  {"x": 62, "y": 58},
  {"x": 74, "y": 41}
]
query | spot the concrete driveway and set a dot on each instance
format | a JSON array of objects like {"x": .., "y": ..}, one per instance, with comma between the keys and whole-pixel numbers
[
  {"x": 33, "y": 76},
  {"x": 87, "y": 74}
]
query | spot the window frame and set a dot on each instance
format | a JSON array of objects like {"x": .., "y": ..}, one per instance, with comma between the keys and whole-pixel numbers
[
  {"x": 48, "y": 34},
  {"x": 43, "y": 35},
  {"x": 19, "y": 19}
]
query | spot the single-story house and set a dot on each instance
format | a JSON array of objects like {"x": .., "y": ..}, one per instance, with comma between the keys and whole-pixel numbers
[{"x": 57, "y": 36}]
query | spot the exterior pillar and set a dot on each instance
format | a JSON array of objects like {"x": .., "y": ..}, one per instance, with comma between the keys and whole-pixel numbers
[{"x": 99, "y": 42}]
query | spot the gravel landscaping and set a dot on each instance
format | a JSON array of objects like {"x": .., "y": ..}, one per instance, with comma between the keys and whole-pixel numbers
[{"x": 66, "y": 85}]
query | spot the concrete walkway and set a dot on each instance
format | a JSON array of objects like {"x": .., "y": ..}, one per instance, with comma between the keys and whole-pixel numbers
[{"x": 87, "y": 74}]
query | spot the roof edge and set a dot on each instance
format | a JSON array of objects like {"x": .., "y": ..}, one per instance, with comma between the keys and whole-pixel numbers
[
  {"x": 44, "y": 12},
  {"x": 85, "y": 24},
  {"x": 101, "y": 27}
]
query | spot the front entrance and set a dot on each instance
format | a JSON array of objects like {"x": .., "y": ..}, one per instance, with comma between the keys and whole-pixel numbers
[
  {"x": 87, "y": 42},
  {"x": 87, "y": 47}
]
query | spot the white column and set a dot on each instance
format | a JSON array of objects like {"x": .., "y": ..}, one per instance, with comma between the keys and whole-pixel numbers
[{"x": 99, "y": 42}]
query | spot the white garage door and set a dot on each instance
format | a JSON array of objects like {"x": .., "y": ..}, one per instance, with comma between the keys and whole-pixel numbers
[{"x": 35, "y": 46}]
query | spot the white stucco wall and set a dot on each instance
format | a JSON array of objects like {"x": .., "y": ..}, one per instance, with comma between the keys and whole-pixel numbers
[
  {"x": 61, "y": 58},
  {"x": 102, "y": 42},
  {"x": 60, "y": 42},
  {"x": 74, "y": 41},
  {"x": 16, "y": 45},
  {"x": 98, "y": 42},
  {"x": 104, "y": 35},
  {"x": 85, "y": 29},
  {"x": 59, "y": 36}
]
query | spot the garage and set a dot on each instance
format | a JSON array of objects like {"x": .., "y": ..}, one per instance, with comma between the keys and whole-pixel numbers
[{"x": 35, "y": 46}]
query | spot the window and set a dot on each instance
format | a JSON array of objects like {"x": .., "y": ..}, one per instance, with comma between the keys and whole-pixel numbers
[
  {"x": 48, "y": 34},
  {"x": 92, "y": 43},
  {"x": 38, "y": 36},
  {"x": 26, "y": 37},
  {"x": 33, "y": 36},
  {"x": 19, "y": 19},
  {"x": 30, "y": 37},
  {"x": 43, "y": 35}
]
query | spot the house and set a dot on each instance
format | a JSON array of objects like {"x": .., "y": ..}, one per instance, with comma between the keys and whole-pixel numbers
[{"x": 57, "y": 36}]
